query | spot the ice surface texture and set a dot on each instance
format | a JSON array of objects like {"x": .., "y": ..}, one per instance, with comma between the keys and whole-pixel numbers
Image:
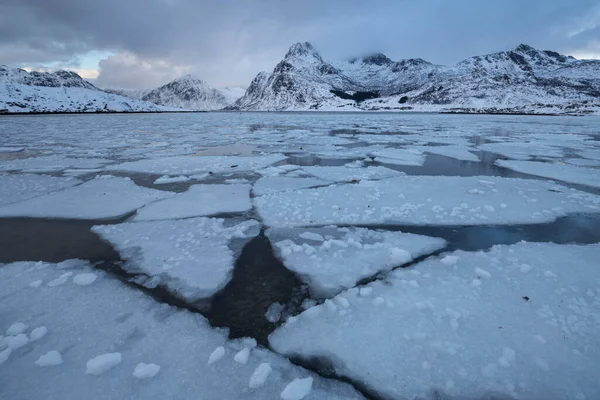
[
  {"x": 520, "y": 320},
  {"x": 133, "y": 334},
  {"x": 426, "y": 200}
]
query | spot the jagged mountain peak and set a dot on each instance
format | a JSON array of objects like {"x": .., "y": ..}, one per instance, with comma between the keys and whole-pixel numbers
[
  {"x": 187, "y": 80},
  {"x": 188, "y": 77},
  {"x": 376, "y": 59},
  {"x": 525, "y": 48},
  {"x": 302, "y": 49}
]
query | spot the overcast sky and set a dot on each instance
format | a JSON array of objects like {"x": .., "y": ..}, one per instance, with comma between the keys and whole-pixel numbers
[{"x": 144, "y": 43}]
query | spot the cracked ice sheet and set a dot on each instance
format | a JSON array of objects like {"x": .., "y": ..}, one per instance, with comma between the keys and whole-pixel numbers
[
  {"x": 198, "y": 200},
  {"x": 14, "y": 188},
  {"x": 460, "y": 325},
  {"x": 566, "y": 173},
  {"x": 109, "y": 316},
  {"x": 409, "y": 156},
  {"x": 100, "y": 198},
  {"x": 50, "y": 163},
  {"x": 186, "y": 165},
  {"x": 272, "y": 184},
  {"x": 334, "y": 259},
  {"x": 348, "y": 174},
  {"x": 426, "y": 200},
  {"x": 190, "y": 256},
  {"x": 522, "y": 151},
  {"x": 459, "y": 153}
]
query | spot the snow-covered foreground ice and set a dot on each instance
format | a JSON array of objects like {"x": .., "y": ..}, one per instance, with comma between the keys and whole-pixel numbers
[
  {"x": 14, "y": 188},
  {"x": 199, "y": 200},
  {"x": 333, "y": 259},
  {"x": 189, "y": 256},
  {"x": 121, "y": 336},
  {"x": 426, "y": 200},
  {"x": 562, "y": 172},
  {"x": 186, "y": 165},
  {"x": 101, "y": 198},
  {"x": 521, "y": 320}
]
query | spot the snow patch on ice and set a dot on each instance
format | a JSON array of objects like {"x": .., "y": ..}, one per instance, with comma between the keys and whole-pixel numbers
[
  {"x": 297, "y": 389},
  {"x": 84, "y": 279},
  {"x": 50, "y": 359},
  {"x": 102, "y": 363},
  {"x": 145, "y": 371}
]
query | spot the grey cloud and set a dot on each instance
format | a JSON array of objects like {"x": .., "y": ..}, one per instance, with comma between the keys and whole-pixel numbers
[{"x": 227, "y": 42}]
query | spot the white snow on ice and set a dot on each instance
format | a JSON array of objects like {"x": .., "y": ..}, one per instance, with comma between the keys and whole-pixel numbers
[
  {"x": 16, "y": 328},
  {"x": 297, "y": 389},
  {"x": 38, "y": 333},
  {"x": 174, "y": 252},
  {"x": 562, "y": 172},
  {"x": 50, "y": 359},
  {"x": 187, "y": 165},
  {"x": 110, "y": 317},
  {"x": 103, "y": 363},
  {"x": 145, "y": 371},
  {"x": 345, "y": 174},
  {"x": 216, "y": 355},
  {"x": 272, "y": 184},
  {"x": 15, "y": 188},
  {"x": 347, "y": 255},
  {"x": 199, "y": 200},
  {"x": 100, "y": 198},
  {"x": 416, "y": 200},
  {"x": 84, "y": 279},
  {"x": 467, "y": 329}
]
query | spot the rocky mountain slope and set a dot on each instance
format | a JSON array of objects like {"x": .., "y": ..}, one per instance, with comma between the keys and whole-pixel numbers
[
  {"x": 61, "y": 91},
  {"x": 187, "y": 92},
  {"x": 522, "y": 80}
]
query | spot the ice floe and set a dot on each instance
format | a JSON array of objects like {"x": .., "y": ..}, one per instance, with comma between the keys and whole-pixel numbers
[
  {"x": 199, "y": 200},
  {"x": 100, "y": 198},
  {"x": 562, "y": 172},
  {"x": 50, "y": 163},
  {"x": 333, "y": 259},
  {"x": 408, "y": 156},
  {"x": 482, "y": 324},
  {"x": 426, "y": 200},
  {"x": 272, "y": 184},
  {"x": 190, "y": 256},
  {"x": 19, "y": 187},
  {"x": 127, "y": 329},
  {"x": 345, "y": 174},
  {"x": 186, "y": 165}
]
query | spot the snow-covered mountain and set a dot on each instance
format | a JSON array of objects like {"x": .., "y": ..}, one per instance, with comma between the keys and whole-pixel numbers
[
  {"x": 522, "y": 80},
  {"x": 187, "y": 92},
  {"x": 61, "y": 91}
]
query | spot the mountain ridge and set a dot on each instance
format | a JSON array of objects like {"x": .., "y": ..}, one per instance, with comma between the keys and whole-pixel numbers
[
  {"x": 523, "y": 79},
  {"x": 187, "y": 92},
  {"x": 61, "y": 91}
]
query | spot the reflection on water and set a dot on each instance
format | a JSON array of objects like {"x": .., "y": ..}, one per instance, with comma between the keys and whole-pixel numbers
[
  {"x": 259, "y": 280},
  {"x": 53, "y": 240},
  {"x": 572, "y": 229}
]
